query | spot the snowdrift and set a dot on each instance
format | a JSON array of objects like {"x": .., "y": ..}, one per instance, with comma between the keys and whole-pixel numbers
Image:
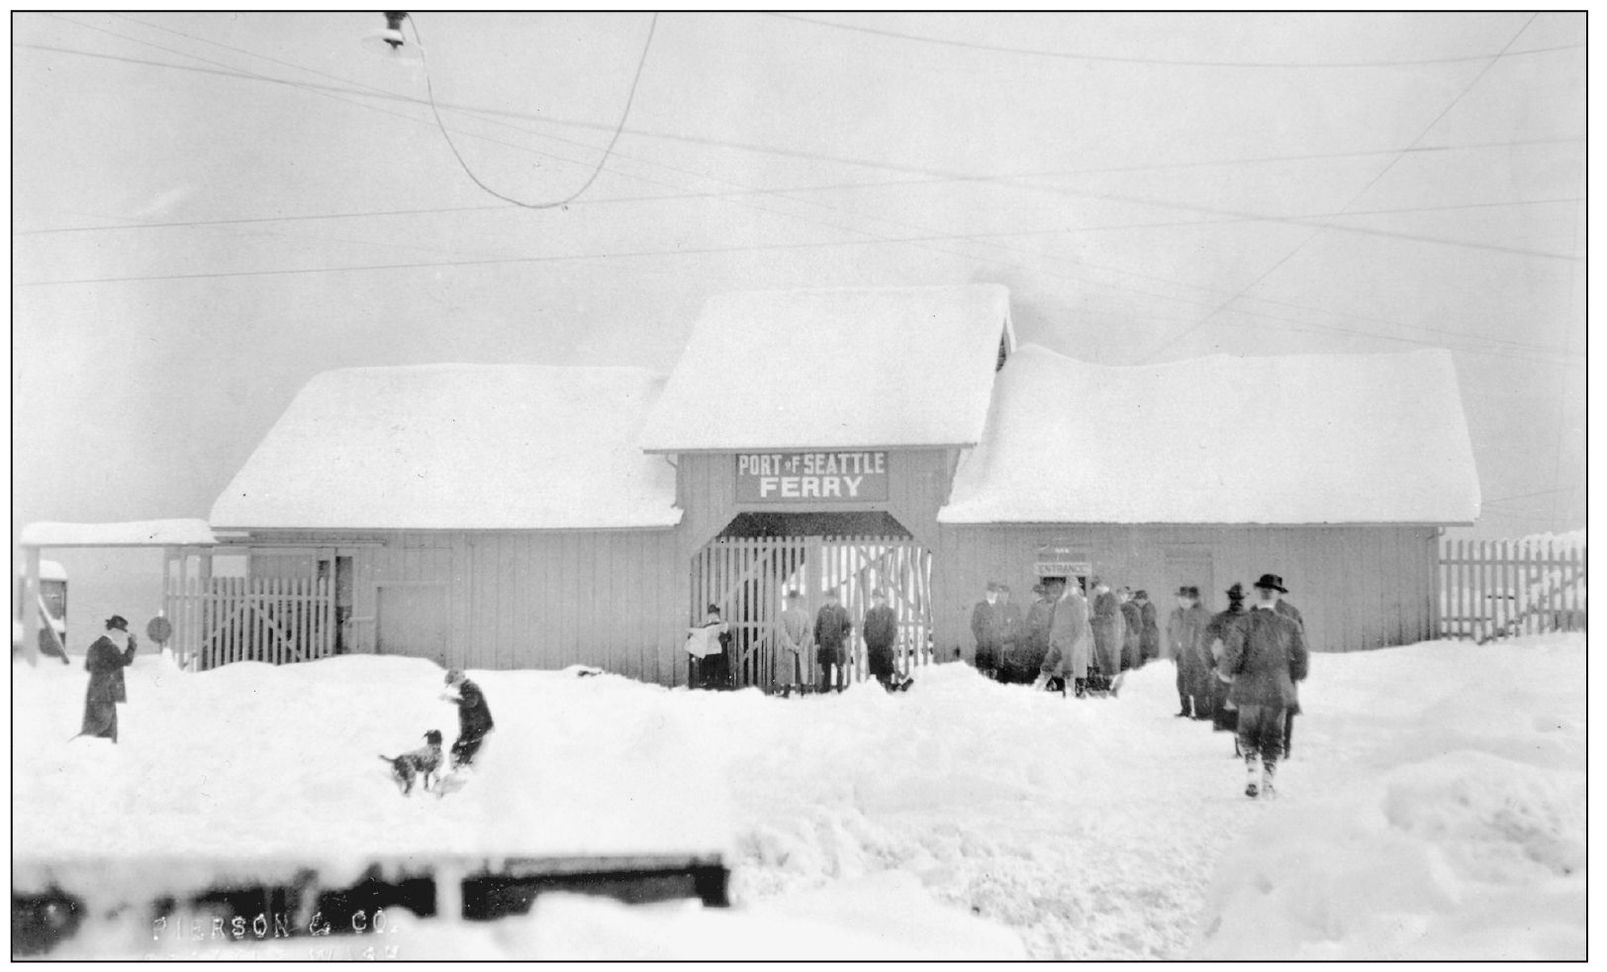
[
  {"x": 1452, "y": 829},
  {"x": 1434, "y": 807}
]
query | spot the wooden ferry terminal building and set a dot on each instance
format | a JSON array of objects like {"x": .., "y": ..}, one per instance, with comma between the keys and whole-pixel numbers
[{"x": 524, "y": 516}]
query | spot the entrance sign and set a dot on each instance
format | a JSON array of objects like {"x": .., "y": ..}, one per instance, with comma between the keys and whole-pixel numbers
[
  {"x": 1062, "y": 560},
  {"x": 791, "y": 477}
]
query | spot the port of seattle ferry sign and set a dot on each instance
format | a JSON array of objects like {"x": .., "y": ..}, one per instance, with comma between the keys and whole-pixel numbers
[{"x": 795, "y": 477}]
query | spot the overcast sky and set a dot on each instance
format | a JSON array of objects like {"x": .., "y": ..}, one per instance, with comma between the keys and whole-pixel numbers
[{"x": 209, "y": 209}]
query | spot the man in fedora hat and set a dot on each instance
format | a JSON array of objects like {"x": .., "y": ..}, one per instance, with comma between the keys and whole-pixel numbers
[
  {"x": 1185, "y": 639},
  {"x": 792, "y": 637},
  {"x": 1034, "y": 641},
  {"x": 832, "y": 631},
  {"x": 1271, "y": 588},
  {"x": 107, "y": 657},
  {"x": 1070, "y": 639},
  {"x": 1110, "y": 630},
  {"x": 1265, "y": 655},
  {"x": 880, "y": 630},
  {"x": 1225, "y": 717},
  {"x": 987, "y": 629}
]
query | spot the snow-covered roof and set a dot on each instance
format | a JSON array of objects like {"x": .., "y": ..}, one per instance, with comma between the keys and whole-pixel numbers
[
  {"x": 465, "y": 447},
  {"x": 1378, "y": 438},
  {"x": 896, "y": 366},
  {"x": 134, "y": 533}
]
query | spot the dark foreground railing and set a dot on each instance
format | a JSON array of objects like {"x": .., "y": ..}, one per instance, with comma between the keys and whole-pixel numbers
[{"x": 296, "y": 905}]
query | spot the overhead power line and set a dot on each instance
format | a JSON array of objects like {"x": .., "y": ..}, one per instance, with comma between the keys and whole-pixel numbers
[
  {"x": 1010, "y": 180},
  {"x": 919, "y": 242},
  {"x": 1353, "y": 200},
  {"x": 931, "y": 175},
  {"x": 1157, "y": 61},
  {"x": 630, "y": 98}
]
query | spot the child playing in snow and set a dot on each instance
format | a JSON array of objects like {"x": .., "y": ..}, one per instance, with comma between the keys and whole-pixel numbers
[{"x": 474, "y": 717}]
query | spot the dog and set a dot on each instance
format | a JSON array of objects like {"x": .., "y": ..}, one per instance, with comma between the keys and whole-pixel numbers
[{"x": 424, "y": 762}]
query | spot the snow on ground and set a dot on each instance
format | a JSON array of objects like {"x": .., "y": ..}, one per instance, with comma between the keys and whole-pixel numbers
[
  {"x": 1450, "y": 823},
  {"x": 1434, "y": 807}
]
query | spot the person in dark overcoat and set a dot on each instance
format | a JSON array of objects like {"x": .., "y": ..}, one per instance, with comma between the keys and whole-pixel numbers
[
  {"x": 107, "y": 657},
  {"x": 1109, "y": 630},
  {"x": 880, "y": 629},
  {"x": 1185, "y": 639},
  {"x": 1149, "y": 638},
  {"x": 985, "y": 628},
  {"x": 1225, "y": 718},
  {"x": 1274, "y": 590},
  {"x": 474, "y": 717},
  {"x": 1132, "y": 627},
  {"x": 1034, "y": 642},
  {"x": 832, "y": 629},
  {"x": 1265, "y": 654}
]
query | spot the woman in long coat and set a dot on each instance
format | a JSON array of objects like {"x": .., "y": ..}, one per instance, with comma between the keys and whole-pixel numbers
[{"x": 107, "y": 657}]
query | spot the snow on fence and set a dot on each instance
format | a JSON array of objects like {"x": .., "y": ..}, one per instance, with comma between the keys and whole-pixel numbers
[
  {"x": 228, "y": 619},
  {"x": 1499, "y": 588}
]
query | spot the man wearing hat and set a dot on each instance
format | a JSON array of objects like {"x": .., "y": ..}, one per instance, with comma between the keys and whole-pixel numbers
[
  {"x": 792, "y": 637},
  {"x": 1225, "y": 717},
  {"x": 107, "y": 657},
  {"x": 1034, "y": 641},
  {"x": 1149, "y": 637},
  {"x": 1110, "y": 631},
  {"x": 880, "y": 629},
  {"x": 986, "y": 628},
  {"x": 832, "y": 630},
  {"x": 1265, "y": 655},
  {"x": 1271, "y": 588},
  {"x": 1185, "y": 638},
  {"x": 707, "y": 645},
  {"x": 1070, "y": 639}
]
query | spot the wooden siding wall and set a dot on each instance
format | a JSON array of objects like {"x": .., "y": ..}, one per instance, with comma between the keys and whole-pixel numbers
[
  {"x": 521, "y": 599},
  {"x": 1358, "y": 587}
]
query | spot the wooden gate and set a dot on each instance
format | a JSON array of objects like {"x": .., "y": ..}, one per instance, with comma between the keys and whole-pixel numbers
[
  {"x": 265, "y": 619},
  {"x": 749, "y": 577}
]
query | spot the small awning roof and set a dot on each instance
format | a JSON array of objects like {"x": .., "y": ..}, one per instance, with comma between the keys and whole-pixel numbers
[{"x": 135, "y": 533}]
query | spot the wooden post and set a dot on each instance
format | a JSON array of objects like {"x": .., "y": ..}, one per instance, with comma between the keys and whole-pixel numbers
[{"x": 30, "y": 606}]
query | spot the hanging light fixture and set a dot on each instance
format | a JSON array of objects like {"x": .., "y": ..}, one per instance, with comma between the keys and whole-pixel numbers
[{"x": 390, "y": 42}]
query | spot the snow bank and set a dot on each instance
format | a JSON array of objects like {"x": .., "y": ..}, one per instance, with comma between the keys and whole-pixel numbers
[
  {"x": 1376, "y": 438},
  {"x": 132, "y": 533},
  {"x": 1571, "y": 540},
  {"x": 844, "y": 368},
  {"x": 1434, "y": 807},
  {"x": 464, "y": 447},
  {"x": 279, "y": 765},
  {"x": 1453, "y": 829}
]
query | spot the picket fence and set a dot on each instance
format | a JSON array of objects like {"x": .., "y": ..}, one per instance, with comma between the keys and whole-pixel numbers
[{"x": 1493, "y": 589}]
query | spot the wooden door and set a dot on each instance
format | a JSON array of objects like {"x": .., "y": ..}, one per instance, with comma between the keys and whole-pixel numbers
[{"x": 413, "y": 621}]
